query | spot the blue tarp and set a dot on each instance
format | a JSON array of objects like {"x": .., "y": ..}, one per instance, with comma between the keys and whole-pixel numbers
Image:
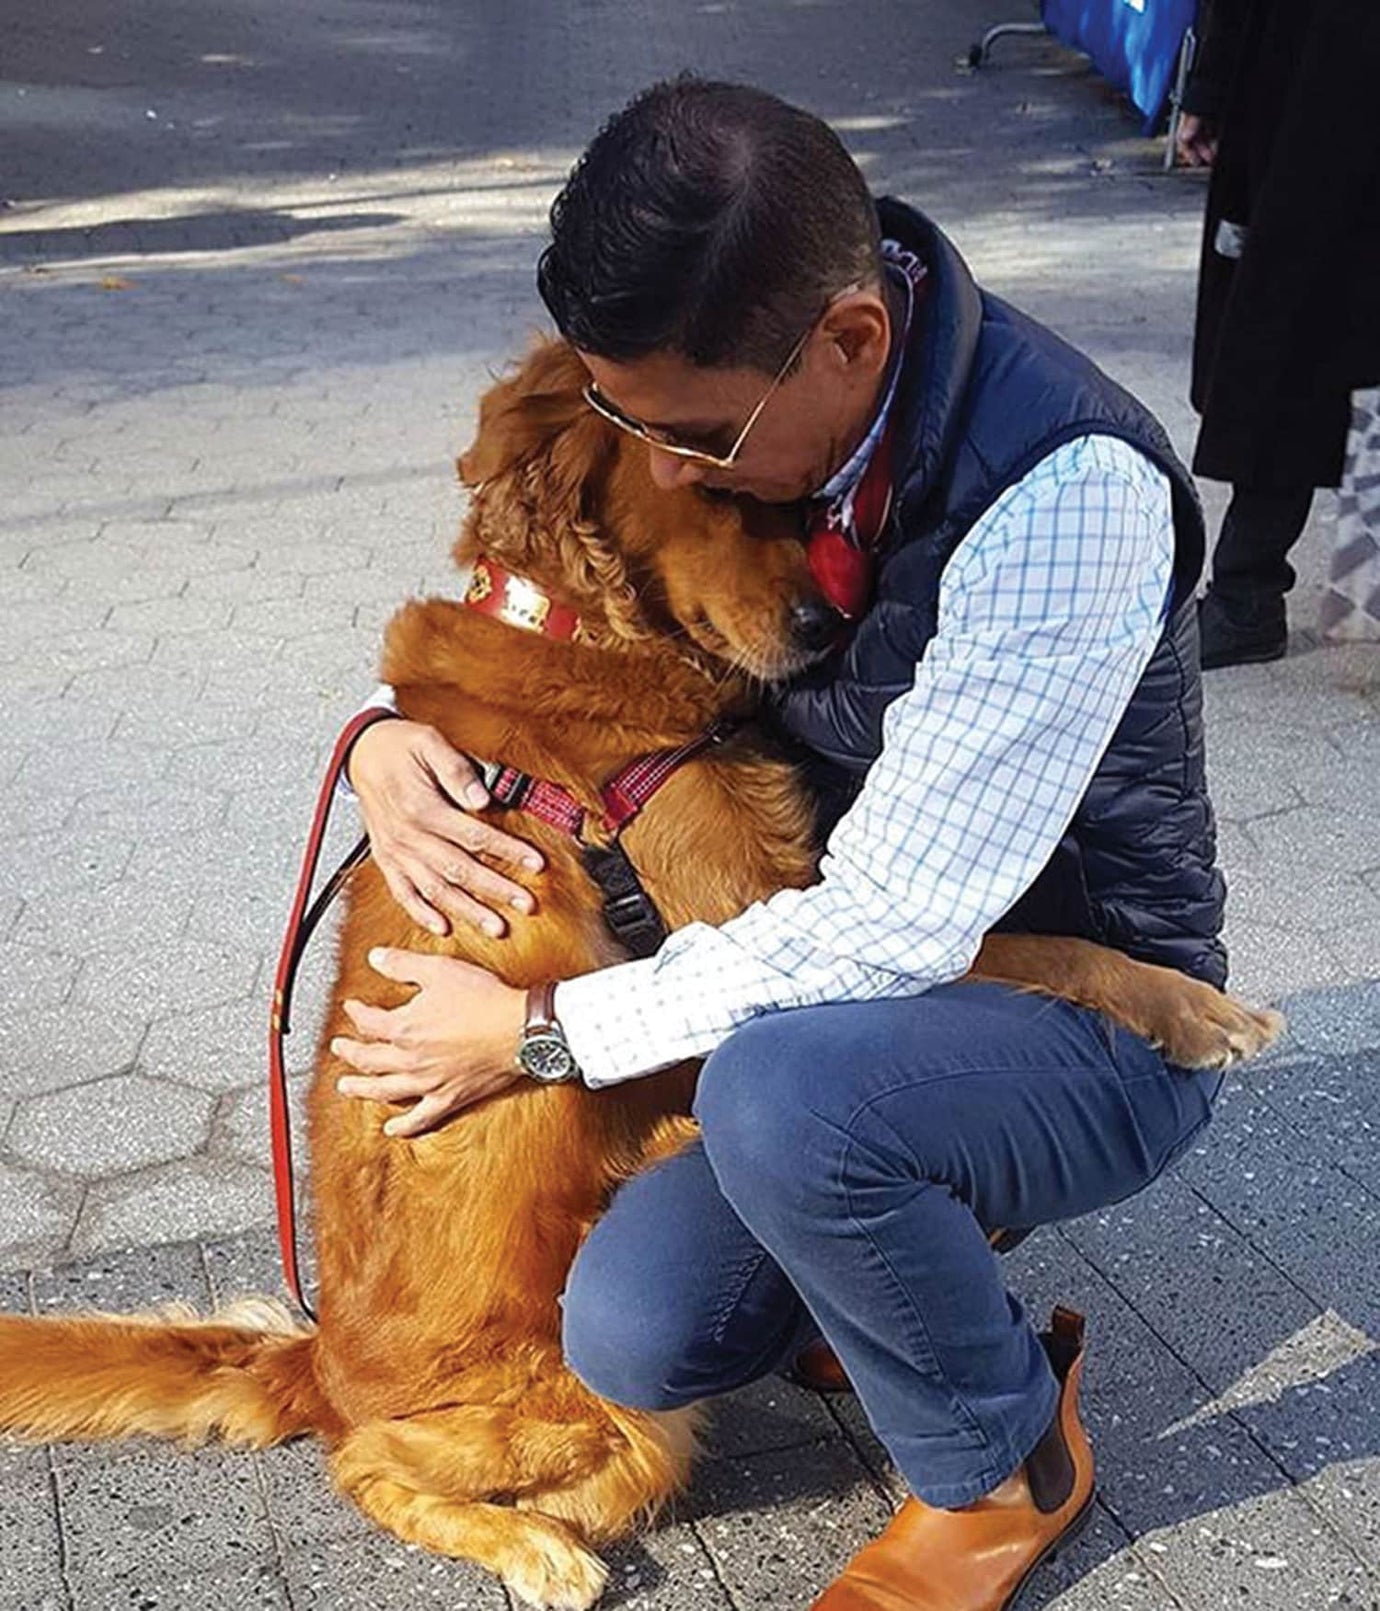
[{"x": 1134, "y": 44}]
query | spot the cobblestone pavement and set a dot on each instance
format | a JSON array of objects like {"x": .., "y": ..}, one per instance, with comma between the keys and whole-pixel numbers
[{"x": 256, "y": 263}]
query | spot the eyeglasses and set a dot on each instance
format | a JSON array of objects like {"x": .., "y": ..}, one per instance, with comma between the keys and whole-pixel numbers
[{"x": 665, "y": 442}]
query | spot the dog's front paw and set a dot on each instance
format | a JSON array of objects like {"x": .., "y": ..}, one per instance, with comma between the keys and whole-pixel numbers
[
  {"x": 1215, "y": 1031},
  {"x": 555, "y": 1574}
]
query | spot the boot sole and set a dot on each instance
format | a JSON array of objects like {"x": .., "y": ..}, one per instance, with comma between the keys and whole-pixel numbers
[
  {"x": 1052, "y": 1549},
  {"x": 1244, "y": 657}
]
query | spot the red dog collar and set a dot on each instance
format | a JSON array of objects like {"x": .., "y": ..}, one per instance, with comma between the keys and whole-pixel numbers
[{"x": 494, "y": 590}]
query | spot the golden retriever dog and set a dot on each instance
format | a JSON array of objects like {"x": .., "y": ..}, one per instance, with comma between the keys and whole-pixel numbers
[{"x": 434, "y": 1375}]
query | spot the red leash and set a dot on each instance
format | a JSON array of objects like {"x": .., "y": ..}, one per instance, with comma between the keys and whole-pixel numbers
[{"x": 301, "y": 923}]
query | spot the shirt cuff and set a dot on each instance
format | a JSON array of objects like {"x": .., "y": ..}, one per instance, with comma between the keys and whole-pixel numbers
[{"x": 582, "y": 1004}]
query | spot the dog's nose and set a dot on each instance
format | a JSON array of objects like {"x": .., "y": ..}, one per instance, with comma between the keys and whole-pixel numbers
[{"x": 814, "y": 623}]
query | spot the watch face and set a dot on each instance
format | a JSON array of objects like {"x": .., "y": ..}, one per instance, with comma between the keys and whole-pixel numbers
[{"x": 546, "y": 1057}]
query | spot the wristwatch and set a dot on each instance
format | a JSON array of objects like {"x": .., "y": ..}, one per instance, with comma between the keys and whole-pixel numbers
[{"x": 543, "y": 1052}]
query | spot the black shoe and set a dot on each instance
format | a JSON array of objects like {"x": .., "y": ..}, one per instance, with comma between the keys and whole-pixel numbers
[{"x": 1231, "y": 634}]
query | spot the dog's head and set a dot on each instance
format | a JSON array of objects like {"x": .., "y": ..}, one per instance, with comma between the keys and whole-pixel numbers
[{"x": 568, "y": 500}]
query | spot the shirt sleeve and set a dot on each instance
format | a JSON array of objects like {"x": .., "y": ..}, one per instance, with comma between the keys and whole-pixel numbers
[
  {"x": 384, "y": 697},
  {"x": 1049, "y": 611}
]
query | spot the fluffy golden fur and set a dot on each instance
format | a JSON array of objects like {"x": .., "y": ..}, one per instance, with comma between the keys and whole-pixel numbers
[{"x": 435, "y": 1375}]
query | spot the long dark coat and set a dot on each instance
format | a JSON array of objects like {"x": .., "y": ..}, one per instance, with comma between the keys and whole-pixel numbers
[{"x": 1288, "y": 328}]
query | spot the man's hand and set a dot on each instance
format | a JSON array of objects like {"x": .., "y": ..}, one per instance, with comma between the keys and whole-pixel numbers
[
  {"x": 1196, "y": 141},
  {"x": 453, "y": 1043},
  {"x": 411, "y": 785}
]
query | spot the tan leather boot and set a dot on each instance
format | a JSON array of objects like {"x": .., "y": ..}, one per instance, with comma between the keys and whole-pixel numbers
[{"x": 979, "y": 1558}]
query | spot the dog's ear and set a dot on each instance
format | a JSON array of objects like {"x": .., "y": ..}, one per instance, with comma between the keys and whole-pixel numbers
[{"x": 519, "y": 415}]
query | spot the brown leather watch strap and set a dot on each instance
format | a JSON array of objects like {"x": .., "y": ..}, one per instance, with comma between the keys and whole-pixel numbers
[{"x": 541, "y": 1005}]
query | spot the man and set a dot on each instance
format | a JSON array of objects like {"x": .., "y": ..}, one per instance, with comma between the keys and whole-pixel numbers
[{"x": 1014, "y": 727}]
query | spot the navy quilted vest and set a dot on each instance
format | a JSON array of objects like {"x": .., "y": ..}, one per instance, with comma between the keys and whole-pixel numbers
[{"x": 985, "y": 394}]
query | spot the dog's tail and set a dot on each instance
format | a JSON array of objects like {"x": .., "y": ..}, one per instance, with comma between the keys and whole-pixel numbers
[{"x": 244, "y": 1375}]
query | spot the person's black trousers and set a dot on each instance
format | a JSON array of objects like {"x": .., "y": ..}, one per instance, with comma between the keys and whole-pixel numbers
[{"x": 1250, "y": 567}]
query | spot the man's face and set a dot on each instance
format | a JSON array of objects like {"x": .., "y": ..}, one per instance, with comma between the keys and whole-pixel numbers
[{"x": 810, "y": 422}]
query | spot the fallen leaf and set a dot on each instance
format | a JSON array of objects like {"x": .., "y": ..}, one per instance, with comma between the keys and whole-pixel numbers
[{"x": 116, "y": 282}]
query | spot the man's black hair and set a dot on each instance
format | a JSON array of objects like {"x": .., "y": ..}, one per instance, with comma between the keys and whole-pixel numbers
[{"x": 710, "y": 220}]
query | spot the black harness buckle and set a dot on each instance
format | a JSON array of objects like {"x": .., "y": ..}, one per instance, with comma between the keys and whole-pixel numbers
[{"x": 629, "y": 911}]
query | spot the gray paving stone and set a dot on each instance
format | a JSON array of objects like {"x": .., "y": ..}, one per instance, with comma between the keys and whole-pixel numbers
[
  {"x": 134, "y": 688},
  {"x": 38, "y": 622},
  {"x": 1302, "y": 1383},
  {"x": 245, "y": 1265},
  {"x": 36, "y": 1216},
  {"x": 1320, "y": 836},
  {"x": 64, "y": 720},
  {"x": 125, "y": 1122},
  {"x": 248, "y": 584},
  {"x": 323, "y": 555},
  {"x": 37, "y": 975},
  {"x": 218, "y": 1048},
  {"x": 140, "y": 811},
  {"x": 286, "y": 618},
  {"x": 154, "y": 980},
  {"x": 219, "y": 651},
  {"x": 171, "y": 1202},
  {"x": 61, "y": 1046},
  {"x": 96, "y": 764},
  {"x": 1273, "y": 699},
  {"x": 1346, "y": 1019},
  {"x": 389, "y": 581},
  {"x": 38, "y": 863},
  {"x": 666, "y": 1567},
  {"x": 353, "y": 1575},
  {"x": 331, "y": 660},
  {"x": 1280, "y": 1189},
  {"x": 195, "y": 545},
  {"x": 91, "y": 919},
  {"x": 1356, "y": 949},
  {"x": 170, "y": 615},
  {"x": 172, "y": 722},
  {"x": 253, "y": 766},
  {"x": 241, "y": 1127},
  {"x": 125, "y": 1281},
  {"x": 780, "y": 1526},
  {"x": 23, "y": 587},
  {"x": 769, "y": 1414},
  {"x": 1097, "y": 1571},
  {"x": 31, "y": 678},
  {"x": 38, "y": 810},
  {"x": 307, "y": 1511},
  {"x": 1270, "y": 963},
  {"x": 139, "y": 583},
  {"x": 102, "y": 649},
  {"x": 161, "y": 1517},
  {"x": 1329, "y": 1102},
  {"x": 1328, "y": 900},
  {"x": 31, "y": 1574},
  {"x": 254, "y": 1585}
]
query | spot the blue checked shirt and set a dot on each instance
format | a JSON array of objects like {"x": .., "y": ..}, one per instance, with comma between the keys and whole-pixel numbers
[{"x": 1049, "y": 610}]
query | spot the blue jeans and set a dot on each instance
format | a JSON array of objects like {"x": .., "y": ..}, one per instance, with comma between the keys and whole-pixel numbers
[{"x": 853, "y": 1158}]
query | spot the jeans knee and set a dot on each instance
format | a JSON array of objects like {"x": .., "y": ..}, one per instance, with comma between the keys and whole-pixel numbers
[
  {"x": 768, "y": 1147},
  {"x": 621, "y": 1344}
]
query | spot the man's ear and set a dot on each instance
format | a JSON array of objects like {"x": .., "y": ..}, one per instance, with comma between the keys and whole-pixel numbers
[
  {"x": 522, "y": 413},
  {"x": 859, "y": 327}
]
